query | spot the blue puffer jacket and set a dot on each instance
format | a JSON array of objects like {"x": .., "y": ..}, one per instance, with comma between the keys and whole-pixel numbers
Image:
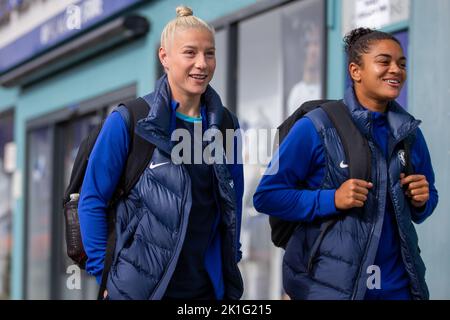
[
  {"x": 332, "y": 263},
  {"x": 152, "y": 221}
]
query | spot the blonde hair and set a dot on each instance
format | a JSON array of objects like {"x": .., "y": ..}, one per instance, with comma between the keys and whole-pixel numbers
[{"x": 184, "y": 20}]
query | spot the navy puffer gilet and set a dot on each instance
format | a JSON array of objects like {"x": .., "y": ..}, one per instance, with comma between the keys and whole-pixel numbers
[
  {"x": 151, "y": 222},
  {"x": 337, "y": 267}
]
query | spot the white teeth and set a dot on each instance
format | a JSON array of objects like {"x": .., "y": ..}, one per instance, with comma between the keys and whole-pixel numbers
[
  {"x": 198, "y": 77},
  {"x": 393, "y": 81}
]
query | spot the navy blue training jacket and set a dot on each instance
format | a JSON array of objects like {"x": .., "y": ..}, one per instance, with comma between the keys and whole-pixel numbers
[{"x": 152, "y": 220}]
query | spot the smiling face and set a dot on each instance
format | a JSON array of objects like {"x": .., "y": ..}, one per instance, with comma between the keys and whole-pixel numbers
[
  {"x": 381, "y": 75},
  {"x": 189, "y": 61}
]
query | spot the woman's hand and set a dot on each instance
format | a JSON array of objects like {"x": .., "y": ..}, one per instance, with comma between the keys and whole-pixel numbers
[
  {"x": 352, "y": 193},
  {"x": 418, "y": 189}
]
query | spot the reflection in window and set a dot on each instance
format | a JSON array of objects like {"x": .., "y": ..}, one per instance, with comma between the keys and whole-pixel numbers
[{"x": 302, "y": 30}]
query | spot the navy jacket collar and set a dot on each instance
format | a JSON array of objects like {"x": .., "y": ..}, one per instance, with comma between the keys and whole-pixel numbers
[
  {"x": 158, "y": 125},
  {"x": 401, "y": 123}
]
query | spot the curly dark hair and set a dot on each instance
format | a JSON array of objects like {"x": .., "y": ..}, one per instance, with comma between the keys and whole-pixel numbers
[{"x": 358, "y": 41}]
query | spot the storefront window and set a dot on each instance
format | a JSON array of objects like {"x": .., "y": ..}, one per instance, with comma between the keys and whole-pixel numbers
[
  {"x": 53, "y": 142},
  {"x": 39, "y": 202},
  {"x": 259, "y": 105},
  {"x": 74, "y": 132},
  {"x": 280, "y": 65},
  {"x": 219, "y": 80},
  {"x": 302, "y": 37},
  {"x": 6, "y": 203}
]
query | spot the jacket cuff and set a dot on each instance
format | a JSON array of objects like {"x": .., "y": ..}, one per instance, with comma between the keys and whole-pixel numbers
[
  {"x": 419, "y": 215},
  {"x": 326, "y": 203}
]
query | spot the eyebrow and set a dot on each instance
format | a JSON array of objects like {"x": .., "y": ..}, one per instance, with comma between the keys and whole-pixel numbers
[
  {"x": 389, "y": 56},
  {"x": 194, "y": 47}
]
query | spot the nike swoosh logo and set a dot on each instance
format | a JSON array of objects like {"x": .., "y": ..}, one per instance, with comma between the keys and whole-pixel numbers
[
  {"x": 343, "y": 165},
  {"x": 153, "y": 166}
]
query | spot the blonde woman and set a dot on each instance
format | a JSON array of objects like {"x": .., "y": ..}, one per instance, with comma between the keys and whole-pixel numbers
[{"x": 178, "y": 229}]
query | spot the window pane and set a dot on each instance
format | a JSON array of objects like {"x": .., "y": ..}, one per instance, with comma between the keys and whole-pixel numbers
[
  {"x": 74, "y": 132},
  {"x": 219, "y": 80},
  {"x": 39, "y": 214},
  {"x": 303, "y": 37},
  {"x": 280, "y": 65},
  {"x": 259, "y": 105},
  {"x": 6, "y": 136}
]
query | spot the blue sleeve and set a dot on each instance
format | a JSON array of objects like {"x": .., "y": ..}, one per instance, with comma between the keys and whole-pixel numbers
[
  {"x": 300, "y": 159},
  {"x": 237, "y": 172},
  {"x": 104, "y": 169},
  {"x": 421, "y": 162}
]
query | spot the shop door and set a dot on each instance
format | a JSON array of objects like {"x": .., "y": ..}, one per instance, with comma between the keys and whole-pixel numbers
[{"x": 67, "y": 287}]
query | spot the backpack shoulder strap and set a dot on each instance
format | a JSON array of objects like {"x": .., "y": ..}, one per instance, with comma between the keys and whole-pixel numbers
[
  {"x": 284, "y": 128},
  {"x": 356, "y": 147},
  {"x": 80, "y": 163},
  {"x": 282, "y": 230},
  {"x": 356, "y": 150},
  {"x": 140, "y": 150},
  {"x": 139, "y": 154}
]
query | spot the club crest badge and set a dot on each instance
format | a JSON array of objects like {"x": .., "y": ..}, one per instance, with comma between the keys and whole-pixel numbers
[{"x": 402, "y": 157}]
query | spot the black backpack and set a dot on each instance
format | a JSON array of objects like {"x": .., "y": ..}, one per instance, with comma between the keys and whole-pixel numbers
[
  {"x": 139, "y": 155},
  {"x": 356, "y": 149}
]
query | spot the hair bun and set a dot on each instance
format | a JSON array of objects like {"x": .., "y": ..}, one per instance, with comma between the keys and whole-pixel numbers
[
  {"x": 353, "y": 36},
  {"x": 183, "y": 11}
]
